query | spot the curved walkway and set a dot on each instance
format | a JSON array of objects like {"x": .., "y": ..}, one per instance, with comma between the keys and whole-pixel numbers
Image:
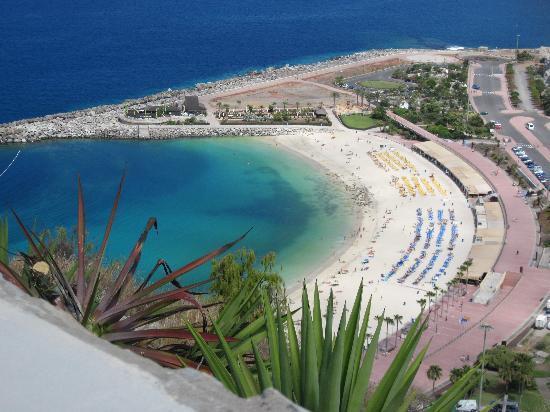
[{"x": 454, "y": 343}]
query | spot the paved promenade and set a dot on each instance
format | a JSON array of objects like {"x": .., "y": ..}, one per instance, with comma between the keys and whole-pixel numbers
[{"x": 455, "y": 343}]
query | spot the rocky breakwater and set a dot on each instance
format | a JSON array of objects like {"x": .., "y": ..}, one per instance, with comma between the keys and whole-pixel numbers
[
  {"x": 91, "y": 128},
  {"x": 103, "y": 121}
]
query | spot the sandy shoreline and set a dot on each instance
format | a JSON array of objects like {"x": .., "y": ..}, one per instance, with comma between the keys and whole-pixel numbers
[
  {"x": 357, "y": 216},
  {"x": 385, "y": 228}
]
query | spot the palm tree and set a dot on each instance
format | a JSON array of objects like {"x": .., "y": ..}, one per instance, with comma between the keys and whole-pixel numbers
[
  {"x": 368, "y": 337},
  {"x": 421, "y": 302},
  {"x": 434, "y": 373},
  {"x": 398, "y": 319},
  {"x": 389, "y": 321},
  {"x": 219, "y": 105},
  {"x": 430, "y": 295},
  {"x": 506, "y": 370},
  {"x": 335, "y": 95},
  {"x": 238, "y": 103},
  {"x": 450, "y": 288},
  {"x": 297, "y": 107},
  {"x": 284, "y": 104}
]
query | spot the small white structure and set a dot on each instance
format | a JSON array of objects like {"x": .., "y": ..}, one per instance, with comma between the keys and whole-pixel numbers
[
  {"x": 404, "y": 105},
  {"x": 466, "y": 405},
  {"x": 540, "y": 322}
]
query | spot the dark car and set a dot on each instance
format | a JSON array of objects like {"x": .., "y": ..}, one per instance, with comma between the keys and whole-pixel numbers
[
  {"x": 475, "y": 86},
  {"x": 483, "y": 113}
]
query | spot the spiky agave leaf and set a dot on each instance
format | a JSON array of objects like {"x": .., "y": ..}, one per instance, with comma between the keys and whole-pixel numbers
[
  {"x": 91, "y": 290},
  {"x": 122, "y": 319}
]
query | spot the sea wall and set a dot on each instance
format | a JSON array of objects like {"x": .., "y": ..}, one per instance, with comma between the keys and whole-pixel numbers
[
  {"x": 51, "y": 362},
  {"x": 103, "y": 121}
]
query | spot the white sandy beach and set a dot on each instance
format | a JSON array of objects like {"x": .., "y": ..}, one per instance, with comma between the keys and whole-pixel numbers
[{"x": 388, "y": 224}]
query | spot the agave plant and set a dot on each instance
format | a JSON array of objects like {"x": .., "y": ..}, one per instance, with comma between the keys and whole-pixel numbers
[
  {"x": 323, "y": 372},
  {"x": 318, "y": 370},
  {"x": 126, "y": 312}
]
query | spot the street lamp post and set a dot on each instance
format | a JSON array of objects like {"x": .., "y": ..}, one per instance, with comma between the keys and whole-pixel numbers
[
  {"x": 517, "y": 45},
  {"x": 485, "y": 328}
]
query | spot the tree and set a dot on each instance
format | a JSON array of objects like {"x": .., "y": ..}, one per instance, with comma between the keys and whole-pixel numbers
[
  {"x": 389, "y": 321},
  {"x": 398, "y": 319},
  {"x": 457, "y": 373},
  {"x": 430, "y": 294},
  {"x": 339, "y": 81},
  {"x": 524, "y": 368},
  {"x": 335, "y": 95},
  {"x": 230, "y": 273},
  {"x": 379, "y": 113},
  {"x": 506, "y": 371},
  {"x": 434, "y": 373}
]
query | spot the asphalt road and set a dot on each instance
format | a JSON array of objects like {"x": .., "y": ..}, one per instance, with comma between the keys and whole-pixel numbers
[{"x": 488, "y": 78}]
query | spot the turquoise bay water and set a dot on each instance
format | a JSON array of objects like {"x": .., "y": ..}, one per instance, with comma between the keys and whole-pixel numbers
[{"x": 204, "y": 192}]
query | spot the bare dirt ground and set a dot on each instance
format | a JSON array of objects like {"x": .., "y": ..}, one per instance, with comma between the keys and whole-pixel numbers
[
  {"x": 293, "y": 91},
  {"x": 328, "y": 78}
]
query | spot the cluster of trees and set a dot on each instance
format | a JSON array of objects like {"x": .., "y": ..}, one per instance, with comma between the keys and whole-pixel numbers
[
  {"x": 512, "y": 89},
  {"x": 539, "y": 92},
  {"x": 523, "y": 56},
  {"x": 514, "y": 368},
  {"x": 238, "y": 270},
  {"x": 440, "y": 100}
]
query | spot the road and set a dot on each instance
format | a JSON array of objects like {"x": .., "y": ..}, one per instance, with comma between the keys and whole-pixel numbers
[{"x": 489, "y": 75}]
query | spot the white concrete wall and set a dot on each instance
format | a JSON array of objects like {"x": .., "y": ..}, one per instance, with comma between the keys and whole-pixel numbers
[{"x": 49, "y": 362}]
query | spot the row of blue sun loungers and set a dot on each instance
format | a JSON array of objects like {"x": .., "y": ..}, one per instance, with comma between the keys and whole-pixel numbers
[
  {"x": 454, "y": 236},
  {"x": 443, "y": 269},
  {"x": 429, "y": 267},
  {"x": 410, "y": 249},
  {"x": 429, "y": 236}
]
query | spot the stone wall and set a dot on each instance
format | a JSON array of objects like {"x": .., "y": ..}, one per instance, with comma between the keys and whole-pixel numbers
[{"x": 49, "y": 362}]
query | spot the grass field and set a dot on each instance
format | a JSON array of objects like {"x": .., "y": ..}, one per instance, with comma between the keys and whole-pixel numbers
[
  {"x": 380, "y": 84},
  {"x": 530, "y": 400},
  {"x": 359, "y": 121}
]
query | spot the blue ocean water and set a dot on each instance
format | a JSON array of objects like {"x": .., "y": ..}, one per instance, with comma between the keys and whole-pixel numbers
[
  {"x": 204, "y": 193},
  {"x": 60, "y": 55}
]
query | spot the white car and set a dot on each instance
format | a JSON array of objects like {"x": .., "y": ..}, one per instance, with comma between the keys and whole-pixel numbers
[{"x": 530, "y": 126}]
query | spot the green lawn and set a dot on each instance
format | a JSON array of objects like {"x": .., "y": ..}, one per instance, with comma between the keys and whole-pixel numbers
[
  {"x": 380, "y": 84},
  {"x": 531, "y": 400},
  {"x": 359, "y": 121}
]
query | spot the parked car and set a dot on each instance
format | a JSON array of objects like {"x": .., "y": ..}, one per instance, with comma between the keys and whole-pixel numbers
[
  {"x": 530, "y": 126},
  {"x": 475, "y": 86},
  {"x": 498, "y": 126},
  {"x": 483, "y": 113}
]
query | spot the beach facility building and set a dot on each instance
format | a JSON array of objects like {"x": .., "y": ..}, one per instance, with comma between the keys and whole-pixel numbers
[
  {"x": 192, "y": 106},
  {"x": 320, "y": 112},
  {"x": 465, "y": 176},
  {"x": 152, "y": 112}
]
